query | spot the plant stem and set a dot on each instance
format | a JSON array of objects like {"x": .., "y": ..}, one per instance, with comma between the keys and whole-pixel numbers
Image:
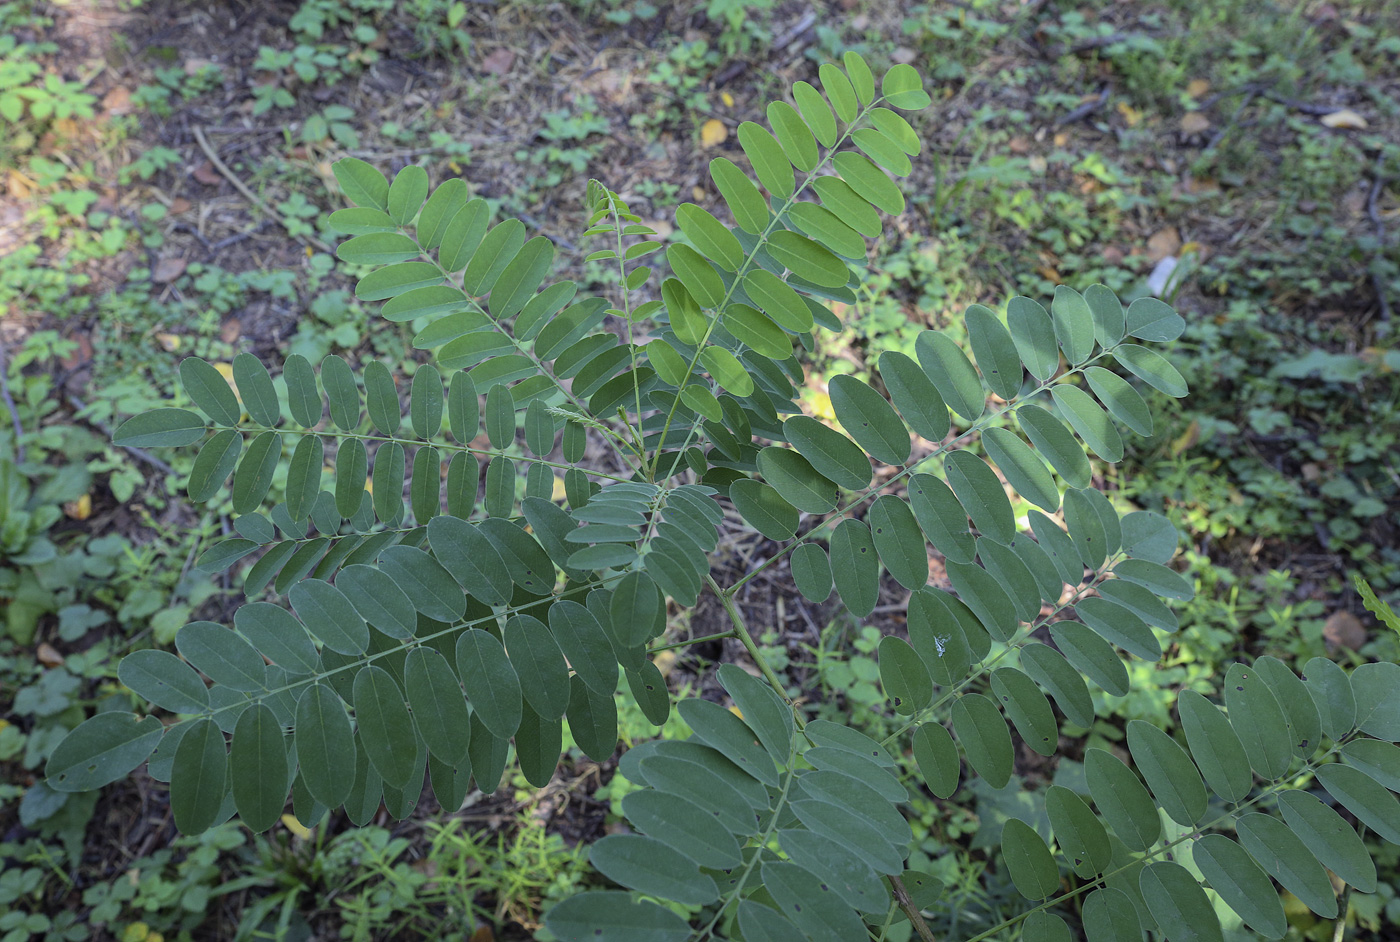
[
  {"x": 1339, "y": 929},
  {"x": 683, "y": 644},
  {"x": 742, "y": 633},
  {"x": 901, "y": 896}
]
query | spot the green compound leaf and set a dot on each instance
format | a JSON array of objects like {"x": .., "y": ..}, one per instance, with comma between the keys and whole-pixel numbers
[
  {"x": 1215, "y": 747},
  {"x": 210, "y": 391},
  {"x": 1285, "y": 857},
  {"x": 100, "y": 750},
  {"x": 899, "y": 541},
  {"x": 1090, "y": 421},
  {"x": 325, "y": 746},
  {"x": 259, "y": 768},
  {"x": 1331, "y": 839},
  {"x": 1169, "y": 772},
  {"x": 1258, "y": 720},
  {"x": 612, "y": 916},
  {"x": 951, "y": 373},
  {"x": 649, "y": 866},
  {"x": 492, "y": 686},
  {"x": 855, "y": 566},
  {"x": 439, "y": 708},
  {"x": 869, "y": 419},
  {"x": 1371, "y": 802},
  {"x": 385, "y": 726},
  {"x": 1023, "y": 468},
  {"x": 1178, "y": 904},
  {"x": 1081, "y": 837},
  {"x": 915, "y": 396},
  {"x": 160, "y": 428},
  {"x": 937, "y": 758},
  {"x": 330, "y": 616},
  {"x": 199, "y": 778},
  {"x": 1031, "y": 865},
  {"x": 1122, "y": 800},
  {"x": 764, "y": 509},
  {"x": 984, "y": 737},
  {"x": 906, "y": 681}
]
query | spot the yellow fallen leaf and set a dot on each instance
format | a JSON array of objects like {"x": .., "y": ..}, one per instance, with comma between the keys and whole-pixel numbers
[
  {"x": 559, "y": 491},
  {"x": 1197, "y": 87},
  {"x": 296, "y": 827},
  {"x": 79, "y": 509},
  {"x": 713, "y": 133},
  {"x": 727, "y": 98},
  {"x": 1187, "y": 439},
  {"x": 1131, "y": 116},
  {"x": 171, "y": 342},
  {"x": 1346, "y": 119}
]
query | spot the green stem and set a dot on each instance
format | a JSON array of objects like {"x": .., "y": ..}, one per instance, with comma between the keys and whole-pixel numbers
[
  {"x": 442, "y": 446},
  {"x": 758, "y": 849},
  {"x": 1339, "y": 929},
  {"x": 685, "y": 644},
  {"x": 742, "y": 633}
]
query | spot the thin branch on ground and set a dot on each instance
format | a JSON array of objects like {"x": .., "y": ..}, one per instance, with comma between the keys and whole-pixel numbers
[{"x": 252, "y": 197}]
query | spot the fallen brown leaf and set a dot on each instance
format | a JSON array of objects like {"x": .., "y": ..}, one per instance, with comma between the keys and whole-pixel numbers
[
  {"x": 498, "y": 62},
  {"x": 1343, "y": 629},
  {"x": 1162, "y": 243},
  {"x": 167, "y": 270},
  {"x": 1193, "y": 122},
  {"x": 48, "y": 655},
  {"x": 206, "y": 174}
]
